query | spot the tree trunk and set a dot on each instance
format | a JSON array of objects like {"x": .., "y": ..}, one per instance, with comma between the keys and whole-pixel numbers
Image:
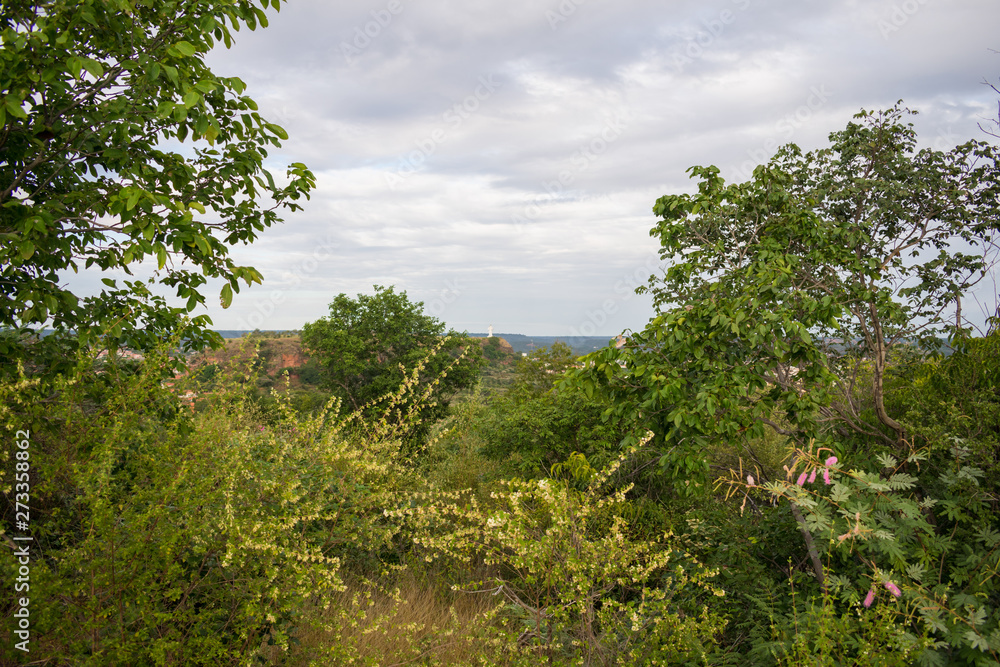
[
  {"x": 878, "y": 351},
  {"x": 810, "y": 546}
]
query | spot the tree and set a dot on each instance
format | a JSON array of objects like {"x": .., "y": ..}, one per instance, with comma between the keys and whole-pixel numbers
[
  {"x": 534, "y": 425},
  {"x": 783, "y": 323},
  {"x": 789, "y": 292},
  {"x": 536, "y": 373},
  {"x": 992, "y": 131},
  {"x": 120, "y": 146},
  {"x": 368, "y": 346}
]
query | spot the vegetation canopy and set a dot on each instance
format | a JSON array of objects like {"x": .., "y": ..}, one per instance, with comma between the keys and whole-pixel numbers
[
  {"x": 121, "y": 148},
  {"x": 777, "y": 470},
  {"x": 787, "y": 291},
  {"x": 368, "y": 345}
]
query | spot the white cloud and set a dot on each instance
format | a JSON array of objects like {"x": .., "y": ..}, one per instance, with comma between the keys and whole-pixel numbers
[{"x": 699, "y": 83}]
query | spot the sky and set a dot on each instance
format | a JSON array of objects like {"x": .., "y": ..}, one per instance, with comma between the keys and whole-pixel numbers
[{"x": 498, "y": 160}]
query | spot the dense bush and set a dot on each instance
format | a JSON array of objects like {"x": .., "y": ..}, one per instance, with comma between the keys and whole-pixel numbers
[
  {"x": 171, "y": 537},
  {"x": 577, "y": 589}
]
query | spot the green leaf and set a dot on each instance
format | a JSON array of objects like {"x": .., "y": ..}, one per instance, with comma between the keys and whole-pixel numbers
[
  {"x": 94, "y": 68},
  {"x": 202, "y": 244},
  {"x": 185, "y": 48},
  {"x": 133, "y": 199},
  {"x": 227, "y": 295},
  {"x": 14, "y": 107},
  {"x": 840, "y": 493},
  {"x": 75, "y": 66},
  {"x": 277, "y": 130}
]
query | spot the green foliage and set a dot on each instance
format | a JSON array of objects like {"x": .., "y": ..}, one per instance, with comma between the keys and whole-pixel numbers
[
  {"x": 166, "y": 537},
  {"x": 953, "y": 397},
  {"x": 529, "y": 434},
  {"x": 93, "y": 97},
  {"x": 311, "y": 373},
  {"x": 493, "y": 351},
  {"x": 821, "y": 634},
  {"x": 367, "y": 346},
  {"x": 856, "y": 242},
  {"x": 931, "y": 559},
  {"x": 577, "y": 589},
  {"x": 536, "y": 373},
  {"x": 454, "y": 460}
]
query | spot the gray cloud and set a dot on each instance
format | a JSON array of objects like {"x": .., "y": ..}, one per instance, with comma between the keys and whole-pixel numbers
[{"x": 518, "y": 206}]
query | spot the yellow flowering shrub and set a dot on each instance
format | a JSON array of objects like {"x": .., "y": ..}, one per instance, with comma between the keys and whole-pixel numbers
[{"x": 575, "y": 588}]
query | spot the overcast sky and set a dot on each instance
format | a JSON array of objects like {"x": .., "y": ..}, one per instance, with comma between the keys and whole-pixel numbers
[{"x": 498, "y": 160}]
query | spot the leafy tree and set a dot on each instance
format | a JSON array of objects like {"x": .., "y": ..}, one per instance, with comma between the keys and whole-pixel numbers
[
  {"x": 537, "y": 373},
  {"x": 369, "y": 346},
  {"x": 798, "y": 307},
  {"x": 534, "y": 426},
  {"x": 492, "y": 350},
  {"x": 788, "y": 293},
  {"x": 120, "y": 146}
]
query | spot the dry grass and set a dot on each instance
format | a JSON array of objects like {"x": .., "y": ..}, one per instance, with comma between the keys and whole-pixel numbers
[{"x": 413, "y": 622}]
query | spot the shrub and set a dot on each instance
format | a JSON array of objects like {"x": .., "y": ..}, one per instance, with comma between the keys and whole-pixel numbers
[
  {"x": 168, "y": 537},
  {"x": 577, "y": 589},
  {"x": 921, "y": 565}
]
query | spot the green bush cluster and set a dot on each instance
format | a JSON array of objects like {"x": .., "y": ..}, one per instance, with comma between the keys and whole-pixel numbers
[{"x": 171, "y": 537}]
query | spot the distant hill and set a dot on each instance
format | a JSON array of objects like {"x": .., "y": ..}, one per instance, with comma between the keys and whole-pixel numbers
[
  {"x": 579, "y": 344},
  {"x": 276, "y": 355},
  {"x": 519, "y": 342},
  {"x": 236, "y": 333}
]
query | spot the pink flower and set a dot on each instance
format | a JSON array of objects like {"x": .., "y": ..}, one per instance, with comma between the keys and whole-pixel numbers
[
  {"x": 893, "y": 588},
  {"x": 831, "y": 461},
  {"x": 750, "y": 481},
  {"x": 870, "y": 597},
  {"x": 826, "y": 476},
  {"x": 802, "y": 479},
  {"x": 812, "y": 476}
]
